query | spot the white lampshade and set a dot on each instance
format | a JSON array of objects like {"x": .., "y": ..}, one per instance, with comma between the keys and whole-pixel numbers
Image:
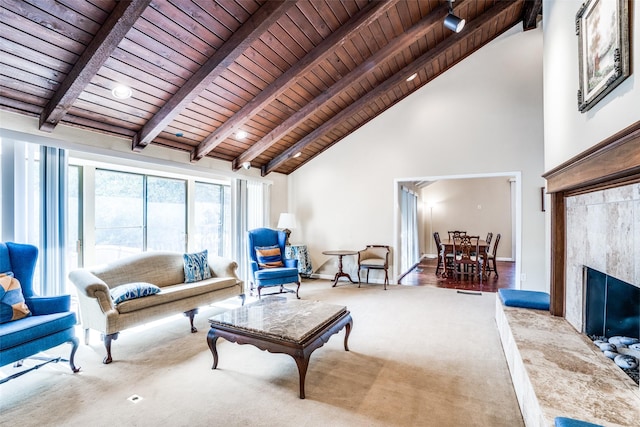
[{"x": 287, "y": 220}]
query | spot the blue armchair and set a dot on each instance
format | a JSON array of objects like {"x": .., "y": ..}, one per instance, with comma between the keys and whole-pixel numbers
[
  {"x": 269, "y": 267},
  {"x": 50, "y": 323}
]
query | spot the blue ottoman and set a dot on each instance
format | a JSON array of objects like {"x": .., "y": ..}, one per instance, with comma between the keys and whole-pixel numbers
[
  {"x": 570, "y": 422},
  {"x": 525, "y": 299}
]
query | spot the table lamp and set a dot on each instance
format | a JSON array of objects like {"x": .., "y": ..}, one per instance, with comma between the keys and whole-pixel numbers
[{"x": 286, "y": 222}]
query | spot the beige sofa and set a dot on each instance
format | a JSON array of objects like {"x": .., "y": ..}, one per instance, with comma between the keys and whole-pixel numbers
[{"x": 163, "y": 269}]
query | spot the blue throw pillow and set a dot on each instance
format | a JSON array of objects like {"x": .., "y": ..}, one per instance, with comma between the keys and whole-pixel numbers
[
  {"x": 12, "y": 304},
  {"x": 269, "y": 256},
  {"x": 196, "y": 267},
  {"x": 132, "y": 291}
]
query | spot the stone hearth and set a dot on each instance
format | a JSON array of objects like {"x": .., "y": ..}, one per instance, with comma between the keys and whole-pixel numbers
[{"x": 557, "y": 371}]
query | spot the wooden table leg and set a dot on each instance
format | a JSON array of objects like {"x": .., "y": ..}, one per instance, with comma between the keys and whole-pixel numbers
[
  {"x": 303, "y": 364},
  {"x": 340, "y": 273},
  {"x": 211, "y": 340},
  {"x": 348, "y": 327}
]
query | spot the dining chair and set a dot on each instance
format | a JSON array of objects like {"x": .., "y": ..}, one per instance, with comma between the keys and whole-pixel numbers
[
  {"x": 464, "y": 262},
  {"x": 445, "y": 260},
  {"x": 490, "y": 258},
  {"x": 486, "y": 248},
  {"x": 489, "y": 238},
  {"x": 374, "y": 257},
  {"x": 456, "y": 233}
]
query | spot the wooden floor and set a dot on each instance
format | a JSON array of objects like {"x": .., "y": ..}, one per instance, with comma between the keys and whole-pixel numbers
[{"x": 424, "y": 274}]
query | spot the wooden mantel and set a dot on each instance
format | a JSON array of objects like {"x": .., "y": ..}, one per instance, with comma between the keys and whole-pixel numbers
[{"x": 611, "y": 163}]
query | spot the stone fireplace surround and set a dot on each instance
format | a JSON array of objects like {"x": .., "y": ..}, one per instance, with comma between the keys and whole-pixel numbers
[
  {"x": 603, "y": 232},
  {"x": 595, "y": 221}
]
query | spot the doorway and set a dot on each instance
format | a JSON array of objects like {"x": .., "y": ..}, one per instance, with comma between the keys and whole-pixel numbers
[{"x": 478, "y": 211}]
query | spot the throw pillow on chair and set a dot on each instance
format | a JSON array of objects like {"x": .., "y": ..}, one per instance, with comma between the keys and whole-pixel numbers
[{"x": 12, "y": 303}]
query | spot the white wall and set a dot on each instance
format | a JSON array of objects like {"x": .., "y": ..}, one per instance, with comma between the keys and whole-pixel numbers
[
  {"x": 567, "y": 132},
  {"x": 482, "y": 116}
]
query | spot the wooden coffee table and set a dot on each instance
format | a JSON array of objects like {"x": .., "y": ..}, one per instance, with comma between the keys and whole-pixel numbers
[{"x": 280, "y": 325}]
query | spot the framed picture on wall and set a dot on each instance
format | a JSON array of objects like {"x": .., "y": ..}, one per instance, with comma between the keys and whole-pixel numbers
[{"x": 602, "y": 27}]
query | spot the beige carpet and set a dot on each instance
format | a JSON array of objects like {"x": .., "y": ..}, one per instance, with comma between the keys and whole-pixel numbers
[{"x": 420, "y": 356}]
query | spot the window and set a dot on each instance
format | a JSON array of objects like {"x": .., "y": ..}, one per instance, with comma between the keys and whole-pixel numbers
[
  {"x": 119, "y": 214},
  {"x": 166, "y": 214},
  {"x": 135, "y": 212},
  {"x": 211, "y": 229}
]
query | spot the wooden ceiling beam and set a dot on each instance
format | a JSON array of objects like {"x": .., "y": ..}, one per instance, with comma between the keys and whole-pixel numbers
[
  {"x": 106, "y": 40},
  {"x": 489, "y": 16},
  {"x": 399, "y": 43},
  {"x": 318, "y": 54},
  {"x": 237, "y": 44},
  {"x": 530, "y": 12}
]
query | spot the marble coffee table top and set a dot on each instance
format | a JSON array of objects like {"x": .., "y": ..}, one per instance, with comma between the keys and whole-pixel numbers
[{"x": 281, "y": 318}]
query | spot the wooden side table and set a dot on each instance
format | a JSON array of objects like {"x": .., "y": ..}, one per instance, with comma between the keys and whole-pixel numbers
[{"x": 340, "y": 273}]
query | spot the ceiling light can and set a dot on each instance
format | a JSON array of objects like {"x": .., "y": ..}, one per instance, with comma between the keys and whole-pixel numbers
[{"x": 121, "y": 92}]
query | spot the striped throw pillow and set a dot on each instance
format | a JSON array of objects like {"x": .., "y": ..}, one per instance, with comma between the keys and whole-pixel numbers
[{"x": 269, "y": 256}]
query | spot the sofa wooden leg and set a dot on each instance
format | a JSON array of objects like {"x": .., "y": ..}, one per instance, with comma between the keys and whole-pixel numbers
[
  {"x": 191, "y": 314},
  {"x": 74, "y": 342},
  {"x": 107, "y": 345}
]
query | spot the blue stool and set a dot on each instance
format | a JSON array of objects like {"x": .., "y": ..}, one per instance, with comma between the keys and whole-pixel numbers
[
  {"x": 524, "y": 299},
  {"x": 570, "y": 422}
]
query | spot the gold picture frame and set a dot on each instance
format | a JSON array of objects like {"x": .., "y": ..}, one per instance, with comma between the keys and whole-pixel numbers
[{"x": 602, "y": 27}]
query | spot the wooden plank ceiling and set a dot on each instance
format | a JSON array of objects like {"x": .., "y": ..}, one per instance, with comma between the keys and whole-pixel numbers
[{"x": 296, "y": 76}]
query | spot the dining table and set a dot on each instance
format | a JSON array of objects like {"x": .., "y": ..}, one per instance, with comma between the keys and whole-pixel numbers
[{"x": 483, "y": 247}]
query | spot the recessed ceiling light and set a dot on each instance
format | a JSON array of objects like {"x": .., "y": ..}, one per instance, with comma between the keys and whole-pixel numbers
[
  {"x": 121, "y": 92},
  {"x": 412, "y": 76},
  {"x": 241, "y": 134}
]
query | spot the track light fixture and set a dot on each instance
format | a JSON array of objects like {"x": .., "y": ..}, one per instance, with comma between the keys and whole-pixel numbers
[{"x": 453, "y": 22}]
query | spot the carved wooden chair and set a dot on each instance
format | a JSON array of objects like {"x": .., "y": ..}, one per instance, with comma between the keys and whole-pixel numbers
[
  {"x": 456, "y": 233},
  {"x": 490, "y": 258},
  {"x": 445, "y": 260},
  {"x": 489, "y": 238},
  {"x": 465, "y": 262}
]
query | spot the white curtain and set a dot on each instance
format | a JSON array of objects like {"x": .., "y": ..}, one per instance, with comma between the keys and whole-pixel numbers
[
  {"x": 20, "y": 188},
  {"x": 53, "y": 220},
  {"x": 409, "y": 236},
  {"x": 252, "y": 211},
  {"x": 20, "y": 196}
]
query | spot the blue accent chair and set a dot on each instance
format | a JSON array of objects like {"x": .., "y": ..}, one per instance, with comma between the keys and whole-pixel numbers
[
  {"x": 51, "y": 322},
  {"x": 274, "y": 276}
]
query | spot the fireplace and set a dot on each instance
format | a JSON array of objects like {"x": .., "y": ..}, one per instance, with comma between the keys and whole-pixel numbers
[
  {"x": 612, "y": 306},
  {"x": 595, "y": 220}
]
